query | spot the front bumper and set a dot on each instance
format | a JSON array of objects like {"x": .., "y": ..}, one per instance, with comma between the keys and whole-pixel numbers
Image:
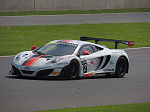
[{"x": 30, "y": 71}]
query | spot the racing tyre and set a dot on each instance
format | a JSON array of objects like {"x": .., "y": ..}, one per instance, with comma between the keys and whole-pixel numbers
[
  {"x": 121, "y": 67},
  {"x": 71, "y": 71}
]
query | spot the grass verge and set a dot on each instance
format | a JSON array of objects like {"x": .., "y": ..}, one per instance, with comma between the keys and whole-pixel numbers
[
  {"x": 138, "y": 107},
  {"x": 72, "y": 12},
  {"x": 14, "y": 39}
]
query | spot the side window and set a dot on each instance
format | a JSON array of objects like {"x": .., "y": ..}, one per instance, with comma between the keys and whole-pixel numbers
[
  {"x": 96, "y": 48},
  {"x": 86, "y": 48}
]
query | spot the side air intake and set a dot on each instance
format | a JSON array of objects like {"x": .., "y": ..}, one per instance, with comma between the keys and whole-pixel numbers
[{"x": 106, "y": 61}]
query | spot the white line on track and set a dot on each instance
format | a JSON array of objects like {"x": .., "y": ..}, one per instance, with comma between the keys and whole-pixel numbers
[
  {"x": 77, "y": 14},
  {"x": 136, "y": 48},
  {"x": 6, "y": 56},
  {"x": 122, "y": 49}
]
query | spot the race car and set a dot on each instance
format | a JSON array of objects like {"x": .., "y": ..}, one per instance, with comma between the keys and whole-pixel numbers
[{"x": 72, "y": 59}]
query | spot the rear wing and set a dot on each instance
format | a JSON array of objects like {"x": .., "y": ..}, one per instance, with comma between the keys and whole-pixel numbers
[{"x": 129, "y": 43}]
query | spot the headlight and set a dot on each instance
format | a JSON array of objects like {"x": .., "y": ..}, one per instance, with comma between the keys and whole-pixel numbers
[{"x": 17, "y": 57}]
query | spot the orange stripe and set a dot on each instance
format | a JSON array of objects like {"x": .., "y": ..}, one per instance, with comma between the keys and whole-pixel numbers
[
  {"x": 32, "y": 61},
  {"x": 90, "y": 74},
  {"x": 55, "y": 73}
]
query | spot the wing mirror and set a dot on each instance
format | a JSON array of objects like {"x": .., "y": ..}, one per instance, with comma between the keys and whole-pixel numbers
[
  {"x": 86, "y": 53},
  {"x": 33, "y": 47}
]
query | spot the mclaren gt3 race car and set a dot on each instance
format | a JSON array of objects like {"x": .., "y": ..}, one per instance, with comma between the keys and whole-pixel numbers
[{"x": 72, "y": 59}]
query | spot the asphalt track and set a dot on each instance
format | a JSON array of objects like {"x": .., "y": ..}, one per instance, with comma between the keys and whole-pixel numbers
[
  {"x": 22, "y": 95},
  {"x": 75, "y": 19}
]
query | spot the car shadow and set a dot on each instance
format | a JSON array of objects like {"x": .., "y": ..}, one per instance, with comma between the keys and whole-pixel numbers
[
  {"x": 33, "y": 78},
  {"x": 59, "y": 79}
]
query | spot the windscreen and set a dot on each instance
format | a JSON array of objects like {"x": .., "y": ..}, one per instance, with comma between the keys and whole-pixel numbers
[{"x": 58, "y": 49}]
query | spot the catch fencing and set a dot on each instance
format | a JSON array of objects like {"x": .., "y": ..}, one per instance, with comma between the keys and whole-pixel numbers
[{"x": 46, "y": 5}]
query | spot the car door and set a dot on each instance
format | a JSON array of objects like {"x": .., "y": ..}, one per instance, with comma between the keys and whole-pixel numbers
[{"x": 89, "y": 61}]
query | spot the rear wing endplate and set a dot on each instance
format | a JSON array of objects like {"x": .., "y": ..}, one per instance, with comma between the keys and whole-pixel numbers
[{"x": 129, "y": 43}]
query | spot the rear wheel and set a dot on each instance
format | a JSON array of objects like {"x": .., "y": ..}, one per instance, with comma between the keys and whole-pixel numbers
[{"x": 121, "y": 67}]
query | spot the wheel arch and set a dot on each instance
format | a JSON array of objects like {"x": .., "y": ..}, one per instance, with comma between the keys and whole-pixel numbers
[
  {"x": 79, "y": 67},
  {"x": 127, "y": 62},
  {"x": 77, "y": 61},
  {"x": 64, "y": 71}
]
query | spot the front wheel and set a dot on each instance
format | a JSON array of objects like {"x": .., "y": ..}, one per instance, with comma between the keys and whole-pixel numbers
[
  {"x": 71, "y": 71},
  {"x": 121, "y": 67}
]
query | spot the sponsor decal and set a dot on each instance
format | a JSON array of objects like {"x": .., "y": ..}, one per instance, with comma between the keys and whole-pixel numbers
[
  {"x": 62, "y": 58},
  {"x": 84, "y": 63},
  {"x": 44, "y": 68},
  {"x": 74, "y": 54},
  {"x": 58, "y": 67},
  {"x": 91, "y": 62},
  {"x": 112, "y": 63},
  {"x": 24, "y": 55},
  {"x": 66, "y": 41},
  {"x": 70, "y": 56},
  {"x": 26, "y": 68},
  {"x": 99, "y": 75},
  {"x": 108, "y": 69},
  {"x": 55, "y": 73},
  {"x": 63, "y": 63},
  {"x": 90, "y": 74}
]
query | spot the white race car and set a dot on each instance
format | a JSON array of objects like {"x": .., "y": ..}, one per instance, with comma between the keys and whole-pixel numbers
[{"x": 72, "y": 59}]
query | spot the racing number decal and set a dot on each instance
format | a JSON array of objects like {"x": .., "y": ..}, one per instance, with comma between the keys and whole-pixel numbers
[{"x": 84, "y": 63}]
